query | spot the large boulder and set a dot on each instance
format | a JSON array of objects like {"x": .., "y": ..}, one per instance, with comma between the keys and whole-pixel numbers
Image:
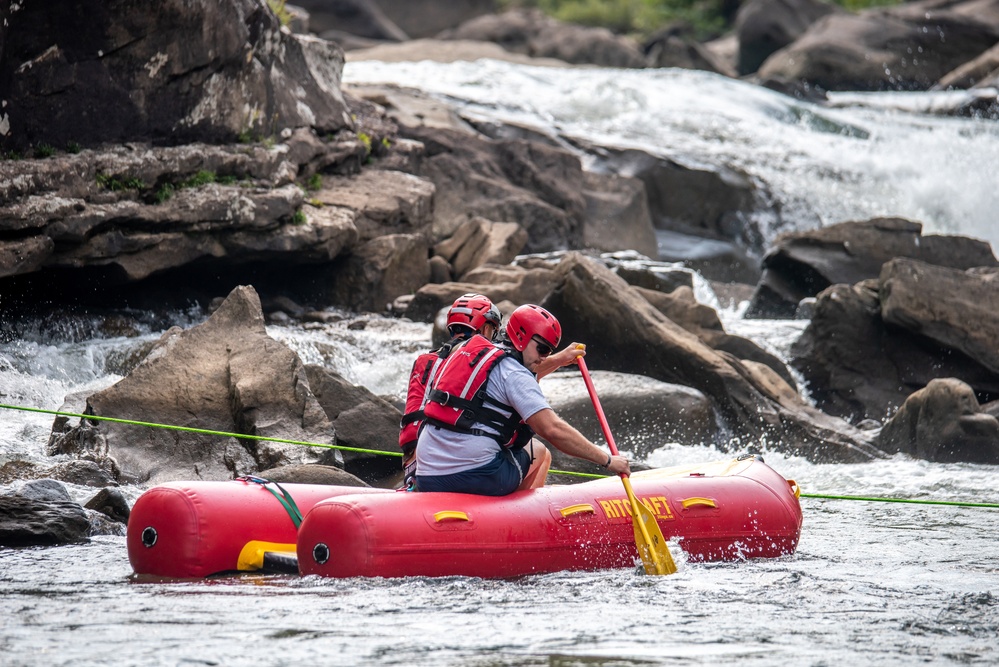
[
  {"x": 714, "y": 203},
  {"x": 802, "y": 264},
  {"x": 626, "y": 333},
  {"x": 859, "y": 365},
  {"x": 28, "y": 522},
  {"x": 958, "y": 310},
  {"x": 538, "y": 186},
  {"x": 361, "y": 18},
  {"x": 225, "y": 374},
  {"x": 377, "y": 272},
  {"x": 365, "y": 424},
  {"x": 531, "y": 32},
  {"x": 682, "y": 307},
  {"x": 909, "y": 47},
  {"x": 617, "y": 215},
  {"x": 943, "y": 422},
  {"x": 479, "y": 241},
  {"x": 644, "y": 414},
  {"x": 981, "y": 72},
  {"x": 208, "y": 70},
  {"x": 426, "y": 18},
  {"x": 765, "y": 26}
]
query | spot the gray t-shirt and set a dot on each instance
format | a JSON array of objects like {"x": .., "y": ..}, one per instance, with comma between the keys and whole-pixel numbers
[{"x": 443, "y": 452}]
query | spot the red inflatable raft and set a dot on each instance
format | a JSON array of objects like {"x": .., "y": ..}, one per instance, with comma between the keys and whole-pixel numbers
[
  {"x": 197, "y": 529},
  {"x": 717, "y": 511},
  {"x": 722, "y": 511}
]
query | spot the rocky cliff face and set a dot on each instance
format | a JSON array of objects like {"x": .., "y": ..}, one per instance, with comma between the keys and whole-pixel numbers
[{"x": 82, "y": 73}]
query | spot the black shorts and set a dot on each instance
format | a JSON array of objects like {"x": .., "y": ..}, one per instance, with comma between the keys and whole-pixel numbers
[{"x": 499, "y": 477}]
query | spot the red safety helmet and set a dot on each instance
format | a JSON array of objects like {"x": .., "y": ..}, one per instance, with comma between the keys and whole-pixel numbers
[
  {"x": 473, "y": 311},
  {"x": 529, "y": 321}
]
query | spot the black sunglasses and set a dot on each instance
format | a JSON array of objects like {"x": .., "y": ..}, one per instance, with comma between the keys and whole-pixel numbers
[{"x": 544, "y": 349}]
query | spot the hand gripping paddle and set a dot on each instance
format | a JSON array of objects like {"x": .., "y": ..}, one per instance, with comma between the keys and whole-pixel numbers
[{"x": 648, "y": 536}]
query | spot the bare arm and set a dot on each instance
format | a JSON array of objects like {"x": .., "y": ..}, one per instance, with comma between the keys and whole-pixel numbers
[
  {"x": 568, "y": 440},
  {"x": 560, "y": 359}
]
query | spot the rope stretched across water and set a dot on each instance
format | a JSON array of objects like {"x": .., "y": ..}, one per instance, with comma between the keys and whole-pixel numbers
[{"x": 247, "y": 436}]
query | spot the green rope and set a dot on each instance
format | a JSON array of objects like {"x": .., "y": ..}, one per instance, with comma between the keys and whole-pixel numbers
[
  {"x": 899, "y": 500},
  {"x": 204, "y": 431}
]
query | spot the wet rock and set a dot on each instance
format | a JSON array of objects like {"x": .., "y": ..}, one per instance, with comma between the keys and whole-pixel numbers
[
  {"x": 644, "y": 414},
  {"x": 802, "y": 264},
  {"x": 312, "y": 473},
  {"x": 677, "y": 48},
  {"x": 634, "y": 337},
  {"x": 111, "y": 503},
  {"x": 909, "y": 47},
  {"x": 978, "y": 73},
  {"x": 29, "y": 521},
  {"x": 860, "y": 366},
  {"x": 532, "y": 33},
  {"x": 721, "y": 204},
  {"x": 45, "y": 489},
  {"x": 682, "y": 307},
  {"x": 943, "y": 422},
  {"x": 958, "y": 310},
  {"x": 362, "y": 421},
  {"x": 92, "y": 72},
  {"x": 225, "y": 374},
  {"x": 716, "y": 260},
  {"x": 765, "y": 26}
]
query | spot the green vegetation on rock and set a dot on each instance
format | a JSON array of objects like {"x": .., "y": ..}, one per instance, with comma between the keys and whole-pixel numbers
[{"x": 707, "y": 18}]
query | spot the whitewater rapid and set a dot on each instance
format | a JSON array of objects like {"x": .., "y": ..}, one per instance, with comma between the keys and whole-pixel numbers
[{"x": 859, "y": 157}]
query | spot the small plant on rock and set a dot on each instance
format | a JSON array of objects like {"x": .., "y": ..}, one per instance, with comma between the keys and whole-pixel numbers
[{"x": 118, "y": 184}]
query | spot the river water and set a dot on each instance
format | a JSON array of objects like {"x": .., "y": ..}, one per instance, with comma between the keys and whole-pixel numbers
[{"x": 872, "y": 583}]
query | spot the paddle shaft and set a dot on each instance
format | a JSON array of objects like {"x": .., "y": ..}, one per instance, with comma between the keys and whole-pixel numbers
[
  {"x": 649, "y": 551},
  {"x": 599, "y": 410}
]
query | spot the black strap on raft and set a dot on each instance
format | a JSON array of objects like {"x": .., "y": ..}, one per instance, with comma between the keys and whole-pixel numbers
[
  {"x": 279, "y": 563},
  {"x": 284, "y": 498}
]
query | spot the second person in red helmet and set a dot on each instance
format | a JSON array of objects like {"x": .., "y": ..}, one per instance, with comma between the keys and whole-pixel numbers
[{"x": 484, "y": 406}]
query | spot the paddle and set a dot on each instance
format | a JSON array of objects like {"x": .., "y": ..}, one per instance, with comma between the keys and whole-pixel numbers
[{"x": 648, "y": 536}]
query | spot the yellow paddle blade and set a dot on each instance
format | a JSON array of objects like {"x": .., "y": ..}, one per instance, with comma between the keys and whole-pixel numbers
[{"x": 655, "y": 555}]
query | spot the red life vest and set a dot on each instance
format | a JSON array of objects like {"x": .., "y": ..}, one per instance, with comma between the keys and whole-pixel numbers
[
  {"x": 457, "y": 398},
  {"x": 424, "y": 370}
]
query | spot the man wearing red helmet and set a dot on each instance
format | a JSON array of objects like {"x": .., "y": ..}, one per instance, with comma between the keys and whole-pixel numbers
[
  {"x": 470, "y": 314},
  {"x": 484, "y": 407}
]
